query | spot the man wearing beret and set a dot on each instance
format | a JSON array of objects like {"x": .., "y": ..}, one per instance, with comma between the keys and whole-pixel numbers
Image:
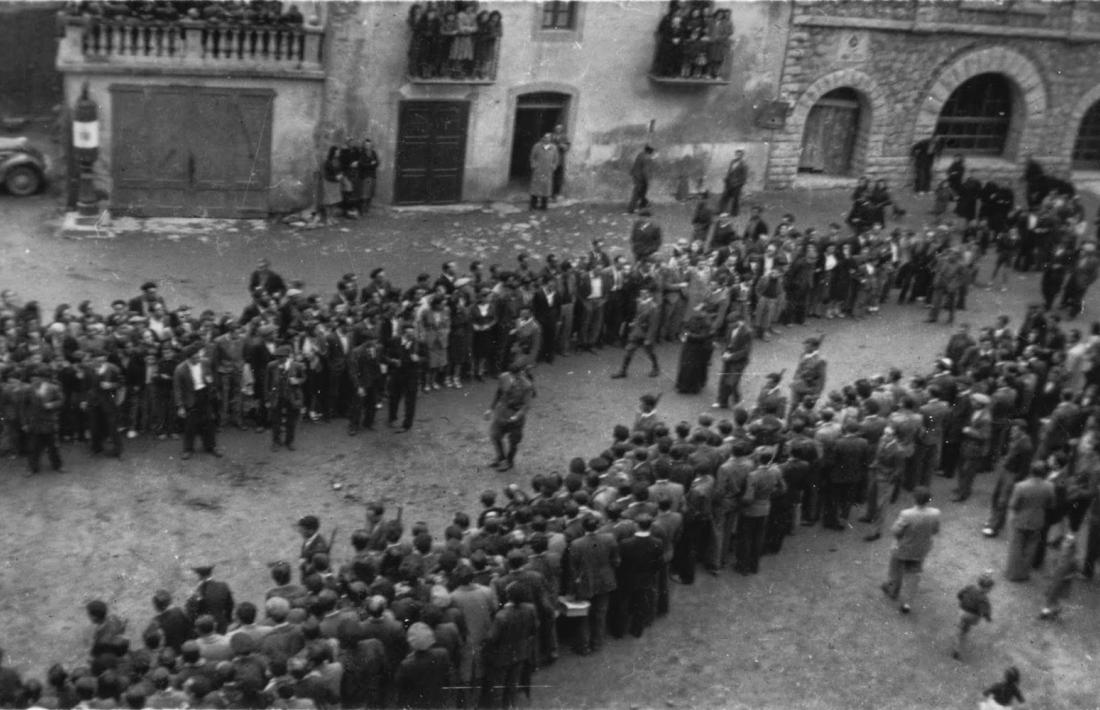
[
  {"x": 194, "y": 384},
  {"x": 284, "y": 379}
]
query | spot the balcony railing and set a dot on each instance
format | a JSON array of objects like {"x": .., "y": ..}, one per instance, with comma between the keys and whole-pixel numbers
[
  {"x": 437, "y": 56},
  {"x": 190, "y": 45}
]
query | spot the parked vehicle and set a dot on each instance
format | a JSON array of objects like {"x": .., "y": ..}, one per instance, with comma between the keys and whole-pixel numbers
[{"x": 23, "y": 168}]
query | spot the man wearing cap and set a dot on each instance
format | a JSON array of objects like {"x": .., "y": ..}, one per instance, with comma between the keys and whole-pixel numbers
[
  {"x": 975, "y": 445},
  {"x": 194, "y": 383},
  {"x": 809, "y": 376},
  {"x": 642, "y": 332},
  {"x": 211, "y": 597},
  {"x": 423, "y": 679},
  {"x": 104, "y": 391},
  {"x": 143, "y": 304},
  {"x": 947, "y": 283},
  {"x": 39, "y": 409},
  {"x": 228, "y": 364},
  {"x": 284, "y": 379},
  {"x": 508, "y": 414}
]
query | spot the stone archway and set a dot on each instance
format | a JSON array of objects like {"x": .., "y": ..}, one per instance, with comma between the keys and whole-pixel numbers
[
  {"x": 1083, "y": 104},
  {"x": 1024, "y": 135},
  {"x": 783, "y": 163}
]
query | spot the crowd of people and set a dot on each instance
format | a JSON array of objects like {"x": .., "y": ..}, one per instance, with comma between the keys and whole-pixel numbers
[
  {"x": 693, "y": 41},
  {"x": 419, "y": 619},
  {"x": 453, "y": 40},
  {"x": 247, "y": 13},
  {"x": 466, "y": 616}
]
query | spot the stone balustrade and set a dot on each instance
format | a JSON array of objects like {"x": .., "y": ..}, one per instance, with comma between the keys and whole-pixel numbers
[{"x": 188, "y": 45}]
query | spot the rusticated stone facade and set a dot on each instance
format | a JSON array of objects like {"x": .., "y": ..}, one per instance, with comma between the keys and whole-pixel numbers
[{"x": 905, "y": 59}]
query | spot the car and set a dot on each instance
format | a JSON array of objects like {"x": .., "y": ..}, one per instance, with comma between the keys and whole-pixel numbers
[{"x": 23, "y": 168}]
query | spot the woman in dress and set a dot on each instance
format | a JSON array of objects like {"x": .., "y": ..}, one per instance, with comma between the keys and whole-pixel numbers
[
  {"x": 698, "y": 346},
  {"x": 489, "y": 31},
  {"x": 462, "y": 46},
  {"x": 434, "y": 323},
  {"x": 416, "y": 43},
  {"x": 720, "y": 31},
  {"x": 430, "y": 42},
  {"x": 460, "y": 340},
  {"x": 330, "y": 184}
]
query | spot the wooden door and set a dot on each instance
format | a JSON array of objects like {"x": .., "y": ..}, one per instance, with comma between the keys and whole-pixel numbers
[
  {"x": 185, "y": 151},
  {"x": 431, "y": 152},
  {"x": 830, "y": 137}
]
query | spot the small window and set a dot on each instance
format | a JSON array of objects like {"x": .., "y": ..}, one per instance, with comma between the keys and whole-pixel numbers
[{"x": 559, "y": 15}]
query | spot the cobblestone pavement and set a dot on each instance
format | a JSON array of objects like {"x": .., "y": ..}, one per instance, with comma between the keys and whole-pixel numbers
[{"x": 811, "y": 631}]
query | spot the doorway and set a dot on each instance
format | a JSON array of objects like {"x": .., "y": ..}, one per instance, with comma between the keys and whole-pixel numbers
[
  {"x": 832, "y": 126},
  {"x": 431, "y": 152},
  {"x": 536, "y": 115}
]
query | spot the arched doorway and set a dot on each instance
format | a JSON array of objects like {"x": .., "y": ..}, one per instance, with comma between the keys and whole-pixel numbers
[
  {"x": 976, "y": 119},
  {"x": 833, "y": 128},
  {"x": 1086, "y": 149},
  {"x": 536, "y": 114}
]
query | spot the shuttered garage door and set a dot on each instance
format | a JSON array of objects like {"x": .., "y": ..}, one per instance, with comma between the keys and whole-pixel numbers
[{"x": 185, "y": 151}]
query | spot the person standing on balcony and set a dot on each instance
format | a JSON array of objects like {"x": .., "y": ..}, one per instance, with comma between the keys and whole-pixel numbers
[
  {"x": 720, "y": 31},
  {"x": 544, "y": 161},
  {"x": 561, "y": 141}
]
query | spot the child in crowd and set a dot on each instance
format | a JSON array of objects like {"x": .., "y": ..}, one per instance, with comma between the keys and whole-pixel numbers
[{"x": 974, "y": 606}]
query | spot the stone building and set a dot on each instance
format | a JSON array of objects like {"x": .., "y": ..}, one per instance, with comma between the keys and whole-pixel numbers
[
  {"x": 588, "y": 66},
  {"x": 998, "y": 81},
  {"x": 216, "y": 119}
]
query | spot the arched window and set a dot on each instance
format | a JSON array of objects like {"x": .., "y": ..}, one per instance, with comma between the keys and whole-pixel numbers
[
  {"x": 1086, "y": 150},
  {"x": 976, "y": 117}
]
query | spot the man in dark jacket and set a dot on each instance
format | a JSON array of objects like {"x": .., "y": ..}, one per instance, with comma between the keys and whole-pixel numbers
[
  {"x": 846, "y": 475},
  {"x": 211, "y": 597},
  {"x": 366, "y": 369},
  {"x": 509, "y": 648},
  {"x": 170, "y": 622},
  {"x": 591, "y": 562},
  {"x": 1011, "y": 469},
  {"x": 641, "y": 557},
  {"x": 640, "y": 173}
]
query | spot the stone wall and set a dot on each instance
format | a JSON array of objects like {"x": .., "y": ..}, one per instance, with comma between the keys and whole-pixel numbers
[
  {"x": 614, "y": 107},
  {"x": 906, "y": 76}
]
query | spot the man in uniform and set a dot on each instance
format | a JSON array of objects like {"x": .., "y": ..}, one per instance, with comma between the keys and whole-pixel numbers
[
  {"x": 508, "y": 413},
  {"x": 642, "y": 333},
  {"x": 368, "y": 373},
  {"x": 104, "y": 383},
  {"x": 809, "y": 375}
]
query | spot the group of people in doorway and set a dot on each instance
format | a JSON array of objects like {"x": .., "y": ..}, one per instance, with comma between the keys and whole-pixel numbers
[{"x": 348, "y": 177}]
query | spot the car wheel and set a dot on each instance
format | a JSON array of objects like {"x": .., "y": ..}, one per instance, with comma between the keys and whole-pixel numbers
[{"x": 22, "y": 180}]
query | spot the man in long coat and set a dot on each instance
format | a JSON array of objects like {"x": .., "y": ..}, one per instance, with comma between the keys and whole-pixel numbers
[{"x": 544, "y": 161}]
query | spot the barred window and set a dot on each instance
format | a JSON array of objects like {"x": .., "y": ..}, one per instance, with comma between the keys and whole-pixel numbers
[
  {"x": 559, "y": 15},
  {"x": 976, "y": 117}
]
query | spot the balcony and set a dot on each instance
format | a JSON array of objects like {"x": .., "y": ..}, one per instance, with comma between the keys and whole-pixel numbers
[
  {"x": 135, "y": 46},
  {"x": 692, "y": 50},
  {"x": 441, "y": 53}
]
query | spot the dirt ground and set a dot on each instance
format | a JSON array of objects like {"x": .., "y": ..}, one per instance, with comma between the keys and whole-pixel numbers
[{"x": 811, "y": 631}]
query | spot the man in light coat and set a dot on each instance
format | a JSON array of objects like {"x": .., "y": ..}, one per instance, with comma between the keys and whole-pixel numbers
[
  {"x": 545, "y": 159},
  {"x": 913, "y": 532}
]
